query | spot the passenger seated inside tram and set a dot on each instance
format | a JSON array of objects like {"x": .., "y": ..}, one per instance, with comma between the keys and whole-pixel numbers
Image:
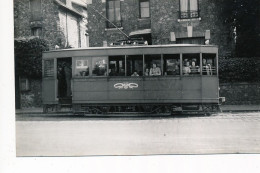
[
  {"x": 135, "y": 74},
  {"x": 146, "y": 73},
  {"x": 186, "y": 68},
  {"x": 194, "y": 69},
  {"x": 155, "y": 71},
  {"x": 113, "y": 72}
]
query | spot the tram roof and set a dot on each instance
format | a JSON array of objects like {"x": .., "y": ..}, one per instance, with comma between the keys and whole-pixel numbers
[
  {"x": 140, "y": 46},
  {"x": 131, "y": 48}
]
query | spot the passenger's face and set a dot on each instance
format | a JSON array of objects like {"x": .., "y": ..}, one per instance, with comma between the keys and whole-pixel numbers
[
  {"x": 193, "y": 63},
  {"x": 154, "y": 65}
]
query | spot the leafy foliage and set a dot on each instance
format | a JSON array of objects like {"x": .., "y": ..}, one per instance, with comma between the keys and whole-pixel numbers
[
  {"x": 28, "y": 57},
  {"x": 238, "y": 70},
  {"x": 243, "y": 18}
]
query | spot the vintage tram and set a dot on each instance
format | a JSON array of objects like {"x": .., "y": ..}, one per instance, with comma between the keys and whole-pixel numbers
[{"x": 147, "y": 79}]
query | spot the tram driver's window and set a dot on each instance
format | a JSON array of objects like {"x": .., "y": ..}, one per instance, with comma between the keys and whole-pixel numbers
[
  {"x": 99, "y": 66},
  {"x": 171, "y": 64},
  {"x": 82, "y": 67},
  {"x": 209, "y": 64},
  {"x": 152, "y": 65},
  {"x": 116, "y": 66},
  {"x": 191, "y": 64},
  {"x": 134, "y": 65}
]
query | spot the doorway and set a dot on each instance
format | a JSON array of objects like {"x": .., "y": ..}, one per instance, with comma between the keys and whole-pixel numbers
[{"x": 64, "y": 74}]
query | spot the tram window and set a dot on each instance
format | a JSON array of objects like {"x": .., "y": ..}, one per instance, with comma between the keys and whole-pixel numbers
[
  {"x": 48, "y": 68},
  {"x": 117, "y": 66},
  {"x": 171, "y": 64},
  {"x": 82, "y": 67},
  {"x": 99, "y": 66},
  {"x": 153, "y": 65},
  {"x": 209, "y": 64},
  {"x": 134, "y": 65},
  {"x": 191, "y": 64}
]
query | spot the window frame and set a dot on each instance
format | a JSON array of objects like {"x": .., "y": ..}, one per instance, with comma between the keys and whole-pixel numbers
[
  {"x": 118, "y": 23},
  {"x": 35, "y": 14},
  {"x": 140, "y": 9},
  {"x": 189, "y": 16},
  {"x": 50, "y": 70},
  {"x": 37, "y": 30}
]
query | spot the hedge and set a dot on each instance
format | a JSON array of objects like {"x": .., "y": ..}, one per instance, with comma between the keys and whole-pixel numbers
[
  {"x": 28, "y": 56},
  {"x": 233, "y": 69}
]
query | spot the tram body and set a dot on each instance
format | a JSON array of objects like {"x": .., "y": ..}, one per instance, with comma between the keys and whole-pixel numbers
[{"x": 92, "y": 88}]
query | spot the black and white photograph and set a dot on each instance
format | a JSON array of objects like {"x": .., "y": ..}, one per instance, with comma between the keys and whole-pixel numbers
[{"x": 136, "y": 77}]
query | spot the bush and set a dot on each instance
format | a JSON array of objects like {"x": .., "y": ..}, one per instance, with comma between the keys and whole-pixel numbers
[
  {"x": 28, "y": 57},
  {"x": 238, "y": 69}
]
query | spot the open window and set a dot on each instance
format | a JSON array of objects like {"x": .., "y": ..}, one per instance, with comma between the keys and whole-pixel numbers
[
  {"x": 134, "y": 65},
  {"x": 82, "y": 67},
  {"x": 209, "y": 64},
  {"x": 99, "y": 66},
  {"x": 191, "y": 64},
  {"x": 153, "y": 65},
  {"x": 117, "y": 66},
  {"x": 171, "y": 64}
]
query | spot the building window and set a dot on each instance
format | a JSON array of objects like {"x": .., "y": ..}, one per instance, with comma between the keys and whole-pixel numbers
[
  {"x": 189, "y": 9},
  {"x": 113, "y": 13},
  {"x": 144, "y": 6},
  {"x": 24, "y": 84},
  {"x": 191, "y": 40},
  {"x": 35, "y": 6},
  {"x": 37, "y": 31}
]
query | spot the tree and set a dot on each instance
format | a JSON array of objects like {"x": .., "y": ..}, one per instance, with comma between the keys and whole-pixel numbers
[
  {"x": 246, "y": 17},
  {"x": 28, "y": 57}
]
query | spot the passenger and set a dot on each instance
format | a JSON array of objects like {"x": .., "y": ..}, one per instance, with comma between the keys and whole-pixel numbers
[
  {"x": 113, "y": 72},
  {"x": 194, "y": 69},
  {"x": 146, "y": 73},
  {"x": 135, "y": 74},
  {"x": 209, "y": 61},
  {"x": 155, "y": 71},
  {"x": 206, "y": 68},
  {"x": 186, "y": 69},
  {"x": 177, "y": 69}
]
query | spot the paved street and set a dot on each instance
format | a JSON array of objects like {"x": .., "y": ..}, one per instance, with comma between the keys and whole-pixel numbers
[{"x": 77, "y": 136}]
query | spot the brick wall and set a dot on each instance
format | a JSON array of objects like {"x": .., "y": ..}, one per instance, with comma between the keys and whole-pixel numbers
[
  {"x": 240, "y": 93},
  {"x": 57, "y": 24},
  {"x": 163, "y": 20}
]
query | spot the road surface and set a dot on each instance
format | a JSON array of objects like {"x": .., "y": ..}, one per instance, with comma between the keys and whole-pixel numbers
[{"x": 75, "y": 136}]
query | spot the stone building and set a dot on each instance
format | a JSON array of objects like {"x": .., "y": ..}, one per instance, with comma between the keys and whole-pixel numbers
[
  {"x": 62, "y": 23},
  {"x": 159, "y": 22}
]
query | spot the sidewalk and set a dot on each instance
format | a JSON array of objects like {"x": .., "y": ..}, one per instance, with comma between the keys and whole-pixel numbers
[
  {"x": 239, "y": 108},
  {"x": 224, "y": 108}
]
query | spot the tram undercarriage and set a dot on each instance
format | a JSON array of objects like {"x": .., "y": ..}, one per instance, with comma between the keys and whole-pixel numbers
[{"x": 123, "y": 109}]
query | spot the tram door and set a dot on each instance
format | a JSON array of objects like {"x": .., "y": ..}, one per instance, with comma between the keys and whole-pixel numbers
[{"x": 64, "y": 74}]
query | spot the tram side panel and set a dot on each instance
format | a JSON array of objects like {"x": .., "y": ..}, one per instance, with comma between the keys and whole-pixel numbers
[
  {"x": 49, "y": 91},
  {"x": 146, "y": 90},
  {"x": 210, "y": 89}
]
